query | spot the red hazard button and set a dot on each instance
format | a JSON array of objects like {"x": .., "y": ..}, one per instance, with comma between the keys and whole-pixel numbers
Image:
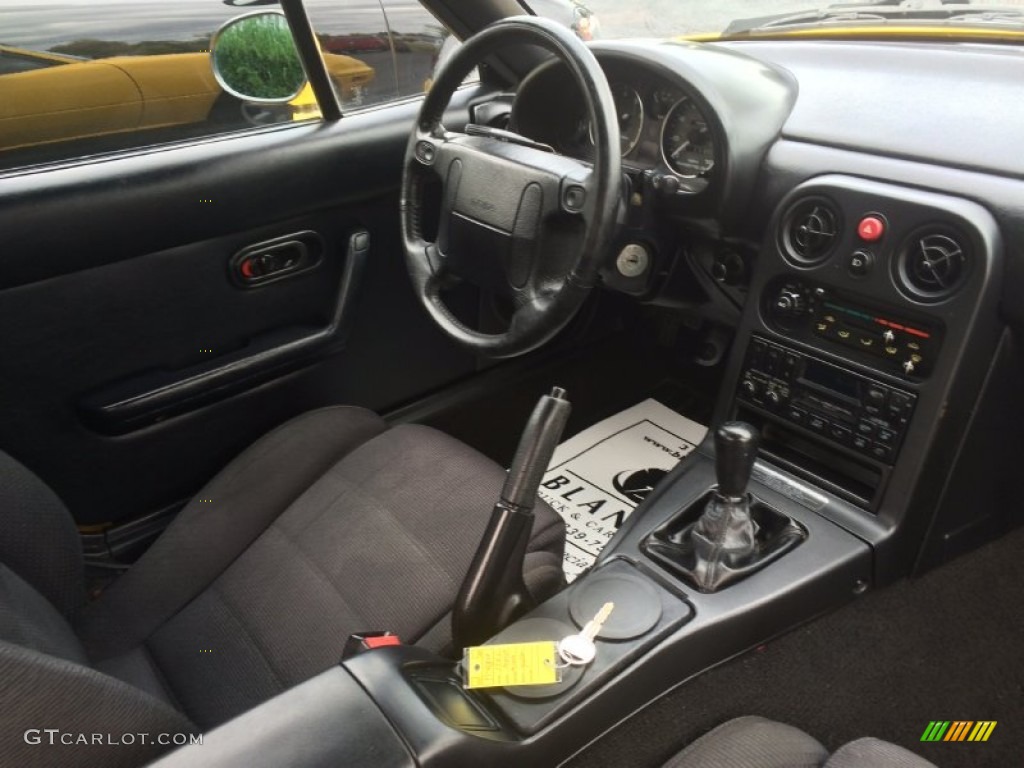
[{"x": 871, "y": 228}]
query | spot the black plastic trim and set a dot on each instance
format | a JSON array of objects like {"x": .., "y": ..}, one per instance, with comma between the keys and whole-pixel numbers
[
  {"x": 120, "y": 545},
  {"x": 326, "y": 721},
  {"x": 312, "y": 61}
]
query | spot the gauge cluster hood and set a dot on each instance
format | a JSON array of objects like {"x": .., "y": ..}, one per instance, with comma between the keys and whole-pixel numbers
[{"x": 746, "y": 100}]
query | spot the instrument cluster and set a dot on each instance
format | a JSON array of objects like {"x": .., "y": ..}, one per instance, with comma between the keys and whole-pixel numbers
[
  {"x": 662, "y": 127},
  {"x": 668, "y": 118}
]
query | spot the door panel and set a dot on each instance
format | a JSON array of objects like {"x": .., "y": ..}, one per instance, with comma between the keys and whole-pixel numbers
[
  {"x": 117, "y": 284},
  {"x": 239, "y": 335}
]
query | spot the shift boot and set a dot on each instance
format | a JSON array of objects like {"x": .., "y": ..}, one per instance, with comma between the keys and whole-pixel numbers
[{"x": 735, "y": 535}]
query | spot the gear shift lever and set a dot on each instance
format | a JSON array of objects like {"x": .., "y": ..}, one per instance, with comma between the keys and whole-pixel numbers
[
  {"x": 726, "y": 527},
  {"x": 735, "y": 535},
  {"x": 735, "y": 450}
]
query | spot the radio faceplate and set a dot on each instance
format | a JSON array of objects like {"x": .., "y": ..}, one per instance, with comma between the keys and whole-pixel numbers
[{"x": 838, "y": 405}]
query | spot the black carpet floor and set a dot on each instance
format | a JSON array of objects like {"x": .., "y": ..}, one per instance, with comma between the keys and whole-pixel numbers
[
  {"x": 601, "y": 380},
  {"x": 946, "y": 646}
]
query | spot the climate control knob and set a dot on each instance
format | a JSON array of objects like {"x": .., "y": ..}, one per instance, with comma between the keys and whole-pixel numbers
[{"x": 789, "y": 302}]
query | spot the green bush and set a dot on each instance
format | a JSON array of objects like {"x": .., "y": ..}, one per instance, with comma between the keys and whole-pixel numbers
[
  {"x": 103, "y": 49},
  {"x": 257, "y": 58}
]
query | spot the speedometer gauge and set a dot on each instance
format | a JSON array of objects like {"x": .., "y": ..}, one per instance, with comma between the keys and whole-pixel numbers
[{"x": 686, "y": 141}]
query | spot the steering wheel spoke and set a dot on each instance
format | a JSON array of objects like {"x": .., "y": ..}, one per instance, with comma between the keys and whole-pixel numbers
[{"x": 515, "y": 218}]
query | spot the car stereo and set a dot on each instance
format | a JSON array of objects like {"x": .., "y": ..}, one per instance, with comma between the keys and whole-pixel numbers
[{"x": 836, "y": 404}]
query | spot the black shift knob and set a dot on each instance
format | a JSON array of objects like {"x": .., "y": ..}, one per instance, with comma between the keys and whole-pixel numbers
[{"x": 735, "y": 451}]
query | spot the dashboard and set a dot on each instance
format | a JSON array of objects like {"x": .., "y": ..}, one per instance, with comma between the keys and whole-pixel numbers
[{"x": 855, "y": 227}]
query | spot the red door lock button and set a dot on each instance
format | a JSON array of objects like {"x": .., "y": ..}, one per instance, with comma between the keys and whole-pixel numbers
[{"x": 871, "y": 228}]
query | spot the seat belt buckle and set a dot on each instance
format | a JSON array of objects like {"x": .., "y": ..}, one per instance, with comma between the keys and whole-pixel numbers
[{"x": 360, "y": 642}]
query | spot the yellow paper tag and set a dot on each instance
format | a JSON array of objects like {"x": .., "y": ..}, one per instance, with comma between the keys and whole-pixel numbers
[{"x": 489, "y": 666}]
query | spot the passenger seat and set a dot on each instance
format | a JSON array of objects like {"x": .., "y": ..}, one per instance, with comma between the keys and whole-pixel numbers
[{"x": 755, "y": 742}]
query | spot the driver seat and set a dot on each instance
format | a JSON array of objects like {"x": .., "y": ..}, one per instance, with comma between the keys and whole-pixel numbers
[{"x": 332, "y": 523}]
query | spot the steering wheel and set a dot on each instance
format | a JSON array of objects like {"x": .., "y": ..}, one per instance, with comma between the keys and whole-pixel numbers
[{"x": 515, "y": 217}]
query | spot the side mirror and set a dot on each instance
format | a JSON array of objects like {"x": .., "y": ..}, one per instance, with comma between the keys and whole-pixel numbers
[{"x": 254, "y": 58}]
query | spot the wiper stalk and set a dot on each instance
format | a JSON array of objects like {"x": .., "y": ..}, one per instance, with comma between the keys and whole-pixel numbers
[{"x": 475, "y": 129}]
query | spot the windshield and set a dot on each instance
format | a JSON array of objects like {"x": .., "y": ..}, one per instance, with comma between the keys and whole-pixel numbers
[{"x": 674, "y": 18}]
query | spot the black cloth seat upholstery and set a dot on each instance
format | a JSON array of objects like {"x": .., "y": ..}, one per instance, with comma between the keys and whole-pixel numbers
[
  {"x": 755, "y": 742},
  {"x": 330, "y": 524}
]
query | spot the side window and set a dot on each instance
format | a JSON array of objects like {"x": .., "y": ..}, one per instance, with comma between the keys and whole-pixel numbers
[
  {"x": 78, "y": 78},
  {"x": 83, "y": 77},
  {"x": 399, "y": 40},
  {"x": 353, "y": 36},
  {"x": 419, "y": 39}
]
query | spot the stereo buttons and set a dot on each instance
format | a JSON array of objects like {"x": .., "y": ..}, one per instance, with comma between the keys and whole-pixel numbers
[
  {"x": 874, "y": 400},
  {"x": 796, "y": 415},
  {"x": 773, "y": 382},
  {"x": 817, "y": 423},
  {"x": 900, "y": 405},
  {"x": 881, "y": 452},
  {"x": 840, "y": 434}
]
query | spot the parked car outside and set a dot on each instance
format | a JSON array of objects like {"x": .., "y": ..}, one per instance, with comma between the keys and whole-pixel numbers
[{"x": 50, "y": 97}]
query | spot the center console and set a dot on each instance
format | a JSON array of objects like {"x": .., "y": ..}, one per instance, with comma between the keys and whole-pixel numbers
[{"x": 865, "y": 346}]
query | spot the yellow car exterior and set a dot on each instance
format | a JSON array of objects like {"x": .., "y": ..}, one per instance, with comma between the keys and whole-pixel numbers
[
  {"x": 57, "y": 98},
  {"x": 871, "y": 32}
]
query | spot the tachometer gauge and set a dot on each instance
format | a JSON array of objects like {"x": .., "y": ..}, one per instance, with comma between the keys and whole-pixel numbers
[
  {"x": 686, "y": 141},
  {"x": 629, "y": 109},
  {"x": 662, "y": 101}
]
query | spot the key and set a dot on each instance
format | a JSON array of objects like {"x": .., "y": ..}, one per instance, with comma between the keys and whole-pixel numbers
[{"x": 579, "y": 650}]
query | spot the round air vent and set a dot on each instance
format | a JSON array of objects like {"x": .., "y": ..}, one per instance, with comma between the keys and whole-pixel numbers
[
  {"x": 932, "y": 264},
  {"x": 810, "y": 231}
]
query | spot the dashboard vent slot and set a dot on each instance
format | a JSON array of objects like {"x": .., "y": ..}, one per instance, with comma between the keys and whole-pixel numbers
[
  {"x": 932, "y": 264},
  {"x": 810, "y": 231}
]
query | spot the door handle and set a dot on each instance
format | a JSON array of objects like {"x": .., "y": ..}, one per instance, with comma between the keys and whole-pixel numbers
[{"x": 276, "y": 259}]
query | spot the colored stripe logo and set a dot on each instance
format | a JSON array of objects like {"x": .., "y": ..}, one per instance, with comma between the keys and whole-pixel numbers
[{"x": 958, "y": 730}]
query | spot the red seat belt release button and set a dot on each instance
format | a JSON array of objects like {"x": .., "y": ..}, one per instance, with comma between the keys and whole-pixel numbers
[
  {"x": 360, "y": 642},
  {"x": 379, "y": 641}
]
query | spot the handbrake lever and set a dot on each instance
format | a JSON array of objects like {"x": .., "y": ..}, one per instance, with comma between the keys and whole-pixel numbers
[{"x": 493, "y": 594}]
